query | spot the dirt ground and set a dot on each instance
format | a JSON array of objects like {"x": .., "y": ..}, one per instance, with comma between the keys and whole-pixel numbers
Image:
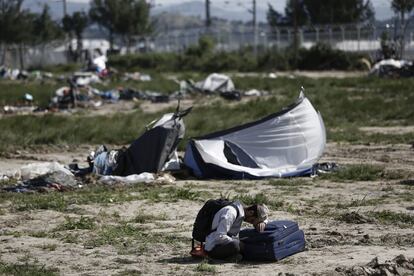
[{"x": 333, "y": 245}]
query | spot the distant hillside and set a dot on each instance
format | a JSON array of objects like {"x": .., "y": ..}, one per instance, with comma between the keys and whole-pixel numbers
[
  {"x": 197, "y": 9},
  {"x": 56, "y": 7}
]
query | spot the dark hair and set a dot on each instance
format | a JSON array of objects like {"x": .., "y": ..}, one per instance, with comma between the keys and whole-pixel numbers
[{"x": 254, "y": 209}]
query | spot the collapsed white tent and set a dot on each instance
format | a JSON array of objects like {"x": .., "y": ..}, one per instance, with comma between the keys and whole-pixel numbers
[
  {"x": 216, "y": 83},
  {"x": 286, "y": 143}
]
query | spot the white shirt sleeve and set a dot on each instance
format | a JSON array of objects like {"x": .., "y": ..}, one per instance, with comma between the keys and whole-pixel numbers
[{"x": 219, "y": 236}]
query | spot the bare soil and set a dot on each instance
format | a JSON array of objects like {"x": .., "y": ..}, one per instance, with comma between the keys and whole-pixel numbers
[{"x": 334, "y": 246}]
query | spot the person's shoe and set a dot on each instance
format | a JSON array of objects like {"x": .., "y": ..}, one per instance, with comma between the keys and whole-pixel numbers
[{"x": 198, "y": 252}]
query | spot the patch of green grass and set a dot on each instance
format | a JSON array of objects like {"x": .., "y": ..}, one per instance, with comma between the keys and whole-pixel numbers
[
  {"x": 66, "y": 237},
  {"x": 27, "y": 269},
  {"x": 12, "y": 92},
  {"x": 125, "y": 235},
  {"x": 345, "y": 106},
  {"x": 51, "y": 201},
  {"x": 7, "y": 183},
  {"x": 289, "y": 182},
  {"x": 389, "y": 217},
  {"x": 129, "y": 272},
  {"x": 259, "y": 198},
  {"x": 170, "y": 194},
  {"x": 48, "y": 247},
  {"x": 97, "y": 195},
  {"x": 183, "y": 193},
  {"x": 40, "y": 234},
  {"x": 75, "y": 224},
  {"x": 114, "y": 234},
  {"x": 142, "y": 217},
  {"x": 205, "y": 268},
  {"x": 124, "y": 261},
  {"x": 359, "y": 202},
  {"x": 15, "y": 234},
  {"x": 360, "y": 172}
]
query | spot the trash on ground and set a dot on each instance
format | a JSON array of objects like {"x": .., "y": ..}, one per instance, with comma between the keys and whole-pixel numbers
[{"x": 393, "y": 68}]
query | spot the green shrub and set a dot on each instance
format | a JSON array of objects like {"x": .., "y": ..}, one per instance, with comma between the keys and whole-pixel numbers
[
  {"x": 323, "y": 57},
  {"x": 203, "y": 58}
]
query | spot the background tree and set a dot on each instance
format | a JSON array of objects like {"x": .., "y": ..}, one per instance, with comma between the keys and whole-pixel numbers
[
  {"x": 402, "y": 7},
  {"x": 296, "y": 12},
  {"x": 106, "y": 14},
  {"x": 74, "y": 25},
  {"x": 339, "y": 11},
  {"x": 45, "y": 28},
  {"x": 16, "y": 27},
  {"x": 126, "y": 18},
  {"x": 323, "y": 12},
  {"x": 133, "y": 21},
  {"x": 274, "y": 17}
]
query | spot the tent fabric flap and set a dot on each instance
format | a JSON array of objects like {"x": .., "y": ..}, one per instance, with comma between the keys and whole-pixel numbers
[{"x": 286, "y": 143}]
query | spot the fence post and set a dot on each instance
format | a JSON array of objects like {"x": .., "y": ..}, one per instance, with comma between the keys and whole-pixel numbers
[
  {"x": 359, "y": 37},
  {"x": 317, "y": 34},
  {"x": 264, "y": 35},
  {"x": 277, "y": 38},
  {"x": 343, "y": 37},
  {"x": 176, "y": 43},
  {"x": 289, "y": 35},
  {"x": 301, "y": 37},
  {"x": 330, "y": 36}
]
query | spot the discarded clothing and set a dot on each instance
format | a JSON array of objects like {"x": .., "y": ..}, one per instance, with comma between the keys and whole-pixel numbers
[
  {"x": 105, "y": 162},
  {"x": 54, "y": 181}
]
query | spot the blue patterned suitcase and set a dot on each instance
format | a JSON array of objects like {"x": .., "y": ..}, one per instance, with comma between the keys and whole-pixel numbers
[{"x": 279, "y": 240}]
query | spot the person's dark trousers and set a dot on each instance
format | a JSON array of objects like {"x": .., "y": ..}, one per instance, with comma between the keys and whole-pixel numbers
[{"x": 224, "y": 251}]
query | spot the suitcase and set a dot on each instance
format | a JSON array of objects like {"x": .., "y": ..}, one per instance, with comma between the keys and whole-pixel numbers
[{"x": 279, "y": 240}]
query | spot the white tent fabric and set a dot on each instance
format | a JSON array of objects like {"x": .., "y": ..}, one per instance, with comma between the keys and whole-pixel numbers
[
  {"x": 398, "y": 64},
  {"x": 216, "y": 83},
  {"x": 280, "y": 146}
]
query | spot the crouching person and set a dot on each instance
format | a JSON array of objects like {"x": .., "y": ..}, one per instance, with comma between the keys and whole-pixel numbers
[{"x": 218, "y": 224}]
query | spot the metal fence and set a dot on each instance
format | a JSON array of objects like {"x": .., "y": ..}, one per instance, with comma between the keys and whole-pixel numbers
[{"x": 352, "y": 38}]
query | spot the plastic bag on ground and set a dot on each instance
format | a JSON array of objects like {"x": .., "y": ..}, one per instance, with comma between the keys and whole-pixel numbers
[
  {"x": 130, "y": 179},
  {"x": 36, "y": 169}
]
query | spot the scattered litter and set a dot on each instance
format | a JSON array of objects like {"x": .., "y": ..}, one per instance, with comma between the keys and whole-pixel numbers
[
  {"x": 42, "y": 177},
  {"x": 137, "y": 77},
  {"x": 393, "y": 68},
  {"x": 231, "y": 95},
  {"x": 323, "y": 168},
  {"x": 28, "y": 97},
  {"x": 272, "y": 76},
  {"x": 85, "y": 78},
  {"x": 215, "y": 83},
  {"x": 255, "y": 93},
  {"x": 9, "y": 109},
  {"x": 36, "y": 169},
  {"x": 130, "y": 179}
]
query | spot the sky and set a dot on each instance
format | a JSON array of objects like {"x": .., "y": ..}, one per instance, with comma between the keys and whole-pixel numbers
[{"x": 382, "y": 7}]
